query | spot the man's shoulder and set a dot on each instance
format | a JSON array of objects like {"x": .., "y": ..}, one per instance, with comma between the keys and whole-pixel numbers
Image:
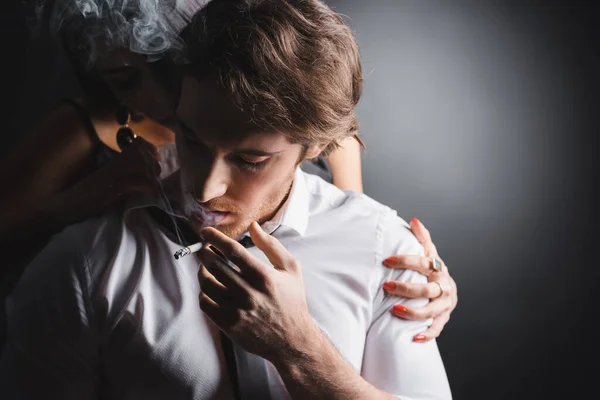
[
  {"x": 88, "y": 235},
  {"x": 362, "y": 229},
  {"x": 326, "y": 196},
  {"x": 64, "y": 263},
  {"x": 85, "y": 247},
  {"x": 365, "y": 218}
]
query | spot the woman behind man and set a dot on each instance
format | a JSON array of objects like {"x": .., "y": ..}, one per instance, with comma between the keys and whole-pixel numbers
[{"x": 69, "y": 168}]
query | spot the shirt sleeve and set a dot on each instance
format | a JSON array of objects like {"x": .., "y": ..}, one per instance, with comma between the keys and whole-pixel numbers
[
  {"x": 51, "y": 352},
  {"x": 392, "y": 361}
]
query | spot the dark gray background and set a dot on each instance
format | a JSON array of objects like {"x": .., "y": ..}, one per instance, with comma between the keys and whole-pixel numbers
[{"x": 480, "y": 118}]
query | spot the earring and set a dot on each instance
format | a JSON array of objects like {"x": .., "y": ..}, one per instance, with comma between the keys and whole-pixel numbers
[{"x": 125, "y": 135}]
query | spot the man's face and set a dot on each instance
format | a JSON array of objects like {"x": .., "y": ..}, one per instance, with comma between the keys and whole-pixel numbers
[{"x": 232, "y": 172}]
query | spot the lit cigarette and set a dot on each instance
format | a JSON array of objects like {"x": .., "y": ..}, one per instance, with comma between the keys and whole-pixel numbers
[
  {"x": 197, "y": 246},
  {"x": 187, "y": 250}
]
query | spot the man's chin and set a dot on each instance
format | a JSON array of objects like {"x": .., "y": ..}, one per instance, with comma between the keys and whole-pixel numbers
[{"x": 231, "y": 230}]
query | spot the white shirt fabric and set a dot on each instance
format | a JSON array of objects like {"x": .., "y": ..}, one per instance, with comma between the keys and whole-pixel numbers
[{"x": 105, "y": 311}]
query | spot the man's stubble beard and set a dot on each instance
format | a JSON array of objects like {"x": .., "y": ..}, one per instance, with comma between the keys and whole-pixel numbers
[{"x": 266, "y": 212}]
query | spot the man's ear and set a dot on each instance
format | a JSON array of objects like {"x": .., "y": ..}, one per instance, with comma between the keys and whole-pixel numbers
[{"x": 314, "y": 150}]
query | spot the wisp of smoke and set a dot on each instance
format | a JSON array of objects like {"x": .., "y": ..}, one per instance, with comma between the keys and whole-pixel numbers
[{"x": 147, "y": 27}]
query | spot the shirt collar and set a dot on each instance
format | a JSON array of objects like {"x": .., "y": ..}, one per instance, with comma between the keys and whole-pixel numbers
[{"x": 294, "y": 212}]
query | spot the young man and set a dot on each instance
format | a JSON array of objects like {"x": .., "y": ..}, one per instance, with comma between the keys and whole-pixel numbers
[{"x": 105, "y": 311}]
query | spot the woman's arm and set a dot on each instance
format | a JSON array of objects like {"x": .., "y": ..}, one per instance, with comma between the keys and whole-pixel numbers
[
  {"x": 345, "y": 165},
  {"x": 346, "y": 169},
  {"x": 57, "y": 153},
  {"x": 50, "y": 181}
]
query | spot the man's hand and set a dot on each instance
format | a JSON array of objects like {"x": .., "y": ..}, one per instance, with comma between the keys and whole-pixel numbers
[
  {"x": 261, "y": 308},
  {"x": 264, "y": 310}
]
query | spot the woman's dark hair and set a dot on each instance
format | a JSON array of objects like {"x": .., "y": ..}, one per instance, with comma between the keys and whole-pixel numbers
[{"x": 85, "y": 28}]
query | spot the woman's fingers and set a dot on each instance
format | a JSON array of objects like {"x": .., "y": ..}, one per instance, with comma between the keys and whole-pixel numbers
[
  {"x": 424, "y": 237},
  {"x": 430, "y": 290},
  {"x": 440, "y": 288},
  {"x": 421, "y": 264},
  {"x": 431, "y": 310},
  {"x": 435, "y": 329}
]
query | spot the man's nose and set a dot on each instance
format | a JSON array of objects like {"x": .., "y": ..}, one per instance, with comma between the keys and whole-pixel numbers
[{"x": 215, "y": 182}]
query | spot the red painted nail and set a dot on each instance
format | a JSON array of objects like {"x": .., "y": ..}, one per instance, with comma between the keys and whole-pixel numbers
[
  {"x": 419, "y": 338},
  {"x": 390, "y": 261},
  {"x": 399, "y": 309},
  {"x": 389, "y": 286},
  {"x": 414, "y": 220}
]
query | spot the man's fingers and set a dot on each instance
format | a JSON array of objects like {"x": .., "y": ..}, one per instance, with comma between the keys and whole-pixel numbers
[
  {"x": 235, "y": 252},
  {"x": 203, "y": 274},
  {"x": 222, "y": 272},
  {"x": 218, "y": 293},
  {"x": 210, "y": 308},
  {"x": 215, "y": 291},
  {"x": 273, "y": 249}
]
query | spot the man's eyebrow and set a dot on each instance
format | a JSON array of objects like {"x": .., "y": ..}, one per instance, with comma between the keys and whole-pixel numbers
[{"x": 257, "y": 152}]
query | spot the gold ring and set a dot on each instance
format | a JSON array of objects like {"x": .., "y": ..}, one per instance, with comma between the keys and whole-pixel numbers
[{"x": 441, "y": 289}]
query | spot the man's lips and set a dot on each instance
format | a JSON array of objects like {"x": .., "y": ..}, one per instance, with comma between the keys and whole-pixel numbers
[
  {"x": 208, "y": 217},
  {"x": 203, "y": 214},
  {"x": 208, "y": 210},
  {"x": 212, "y": 210}
]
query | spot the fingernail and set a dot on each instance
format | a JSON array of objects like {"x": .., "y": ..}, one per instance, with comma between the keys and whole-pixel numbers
[
  {"x": 416, "y": 221},
  {"x": 420, "y": 338},
  {"x": 390, "y": 261},
  {"x": 399, "y": 309},
  {"x": 389, "y": 286}
]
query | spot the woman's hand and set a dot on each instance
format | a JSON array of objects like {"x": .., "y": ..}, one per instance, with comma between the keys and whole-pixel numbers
[
  {"x": 134, "y": 170},
  {"x": 441, "y": 288}
]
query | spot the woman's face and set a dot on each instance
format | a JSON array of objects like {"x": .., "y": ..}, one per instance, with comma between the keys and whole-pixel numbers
[{"x": 139, "y": 84}]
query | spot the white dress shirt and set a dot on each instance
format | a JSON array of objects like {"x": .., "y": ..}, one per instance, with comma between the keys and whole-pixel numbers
[{"x": 105, "y": 311}]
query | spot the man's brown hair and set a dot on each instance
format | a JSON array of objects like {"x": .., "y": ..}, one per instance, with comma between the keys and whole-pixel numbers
[{"x": 292, "y": 65}]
